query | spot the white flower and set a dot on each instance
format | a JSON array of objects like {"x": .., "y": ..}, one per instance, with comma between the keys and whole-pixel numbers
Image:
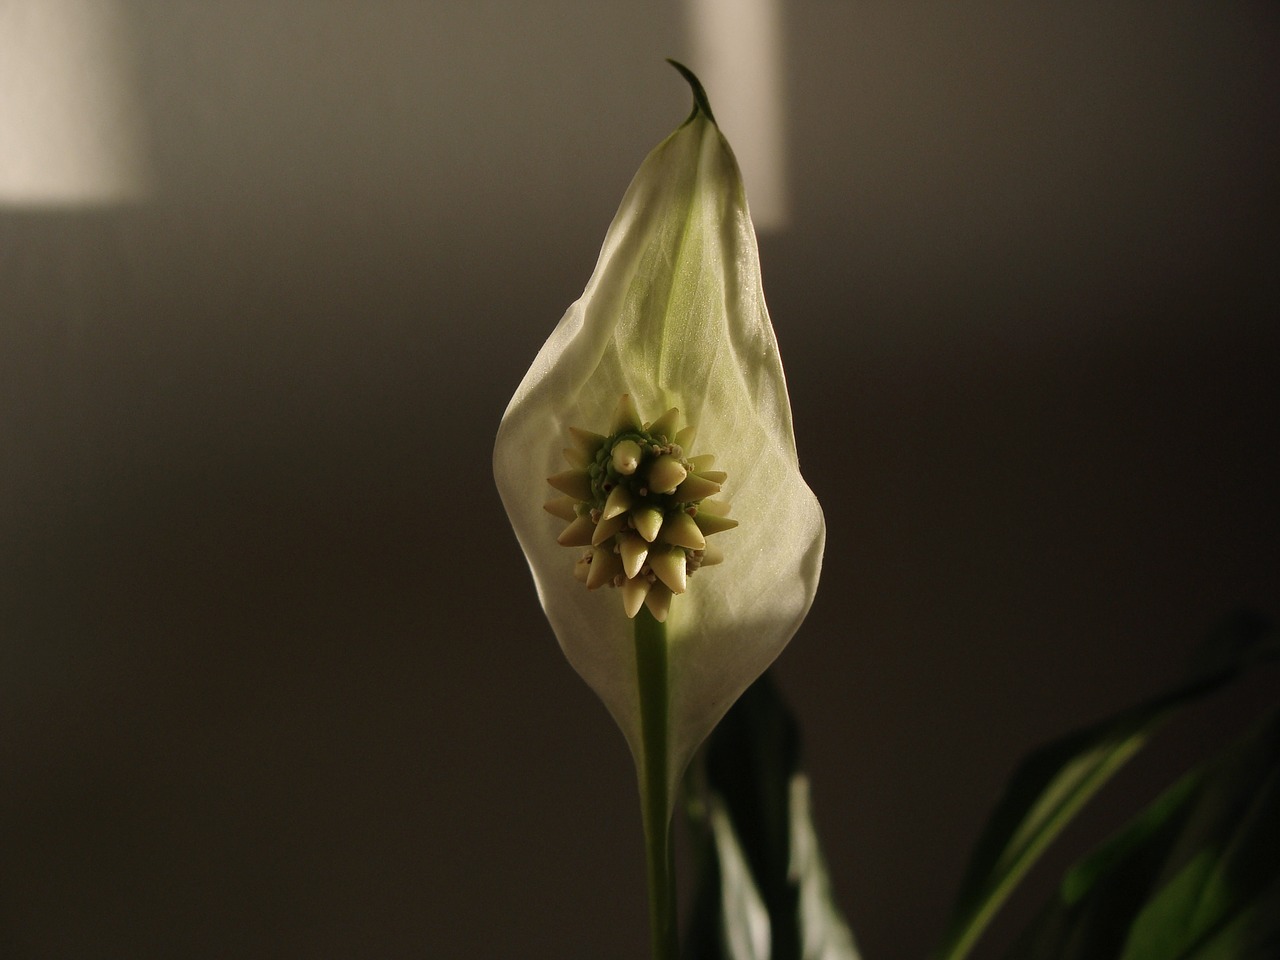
[{"x": 673, "y": 317}]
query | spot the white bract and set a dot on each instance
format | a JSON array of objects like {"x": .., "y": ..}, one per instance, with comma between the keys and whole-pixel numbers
[{"x": 674, "y": 316}]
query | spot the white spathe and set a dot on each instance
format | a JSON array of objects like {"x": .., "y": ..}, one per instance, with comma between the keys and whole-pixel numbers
[{"x": 674, "y": 315}]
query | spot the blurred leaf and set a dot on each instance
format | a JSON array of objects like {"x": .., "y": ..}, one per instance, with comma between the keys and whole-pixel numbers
[
  {"x": 1053, "y": 783},
  {"x": 763, "y": 890},
  {"x": 1196, "y": 875},
  {"x": 824, "y": 934}
]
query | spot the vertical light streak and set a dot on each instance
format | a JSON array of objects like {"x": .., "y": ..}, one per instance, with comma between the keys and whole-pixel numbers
[
  {"x": 737, "y": 51},
  {"x": 70, "y": 126}
]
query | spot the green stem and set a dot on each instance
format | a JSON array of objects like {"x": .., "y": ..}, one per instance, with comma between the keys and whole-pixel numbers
[{"x": 655, "y": 801}]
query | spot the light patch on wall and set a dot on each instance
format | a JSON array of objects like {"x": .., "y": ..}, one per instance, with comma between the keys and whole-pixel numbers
[
  {"x": 71, "y": 132},
  {"x": 737, "y": 53}
]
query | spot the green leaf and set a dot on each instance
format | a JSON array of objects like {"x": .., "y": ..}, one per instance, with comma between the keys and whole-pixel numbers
[
  {"x": 1054, "y": 782},
  {"x": 764, "y": 892},
  {"x": 1196, "y": 875}
]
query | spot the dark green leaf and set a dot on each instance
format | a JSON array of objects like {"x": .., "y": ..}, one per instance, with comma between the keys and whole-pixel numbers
[
  {"x": 1053, "y": 783},
  {"x": 763, "y": 889},
  {"x": 1196, "y": 875}
]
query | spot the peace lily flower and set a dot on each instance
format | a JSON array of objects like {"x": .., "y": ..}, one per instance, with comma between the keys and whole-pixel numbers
[{"x": 658, "y": 399}]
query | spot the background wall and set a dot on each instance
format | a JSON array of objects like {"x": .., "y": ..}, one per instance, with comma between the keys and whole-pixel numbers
[{"x": 273, "y": 679}]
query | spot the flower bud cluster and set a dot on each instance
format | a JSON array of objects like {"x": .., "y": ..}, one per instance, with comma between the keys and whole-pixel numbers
[{"x": 641, "y": 507}]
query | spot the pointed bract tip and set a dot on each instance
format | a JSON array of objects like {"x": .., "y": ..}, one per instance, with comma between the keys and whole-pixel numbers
[
  {"x": 696, "y": 487},
  {"x": 665, "y": 425},
  {"x": 671, "y": 568},
  {"x": 587, "y": 441},
  {"x": 700, "y": 101},
  {"x": 634, "y": 592},
  {"x": 666, "y": 474},
  {"x": 606, "y": 528},
  {"x": 710, "y": 523},
  {"x": 632, "y": 549},
  {"x": 618, "y": 501},
  {"x": 647, "y": 522},
  {"x": 562, "y": 507},
  {"x": 572, "y": 483},
  {"x": 703, "y": 463},
  {"x": 604, "y": 566},
  {"x": 576, "y": 458},
  {"x": 658, "y": 600},
  {"x": 577, "y": 534},
  {"x": 626, "y": 418},
  {"x": 680, "y": 529}
]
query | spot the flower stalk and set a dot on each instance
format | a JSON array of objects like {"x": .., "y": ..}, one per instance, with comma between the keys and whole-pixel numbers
[
  {"x": 673, "y": 319},
  {"x": 655, "y": 799}
]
